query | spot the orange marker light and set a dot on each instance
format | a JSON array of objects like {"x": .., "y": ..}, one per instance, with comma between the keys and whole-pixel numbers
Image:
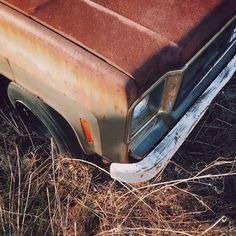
[{"x": 87, "y": 131}]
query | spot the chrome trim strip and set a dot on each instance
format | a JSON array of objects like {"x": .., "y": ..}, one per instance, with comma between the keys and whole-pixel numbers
[
  {"x": 175, "y": 72},
  {"x": 159, "y": 157}
]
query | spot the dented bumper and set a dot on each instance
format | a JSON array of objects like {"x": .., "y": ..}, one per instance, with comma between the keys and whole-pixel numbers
[{"x": 159, "y": 157}]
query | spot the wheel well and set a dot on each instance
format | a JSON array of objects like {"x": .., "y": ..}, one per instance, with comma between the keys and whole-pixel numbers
[
  {"x": 29, "y": 117},
  {"x": 63, "y": 125},
  {"x": 4, "y": 82}
]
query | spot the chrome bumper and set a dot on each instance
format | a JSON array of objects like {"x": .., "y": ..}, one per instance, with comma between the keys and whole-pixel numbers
[{"x": 159, "y": 157}]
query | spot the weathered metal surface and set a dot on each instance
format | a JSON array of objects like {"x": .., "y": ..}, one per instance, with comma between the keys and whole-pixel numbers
[
  {"x": 171, "y": 91},
  {"x": 201, "y": 57},
  {"x": 159, "y": 157},
  {"x": 69, "y": 79},
  {"x": 5, "y": 67},
  {"x": 143, "y": 38},
  {"x": 78, "y": 84}
]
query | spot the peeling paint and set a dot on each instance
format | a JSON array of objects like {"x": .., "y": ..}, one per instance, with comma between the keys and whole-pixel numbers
[{"x": 159, "y": 157}]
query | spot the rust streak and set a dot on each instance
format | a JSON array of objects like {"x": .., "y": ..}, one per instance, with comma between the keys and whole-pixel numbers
[{"x": 9, "y": 64}]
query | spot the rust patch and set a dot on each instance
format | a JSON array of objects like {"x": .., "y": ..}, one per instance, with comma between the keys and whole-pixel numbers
[
  {"x": 118, "y": 110},
  {"x": 70, "y": 80},
  {"x": 171, "y": 90},
  {"x": 104, "y": 119},
  {"x": 36, "y": 5},
  {"x": 29, "y": 7},
  {"x": 12, "y": 72},
  {"x": 142, "y": 38}
]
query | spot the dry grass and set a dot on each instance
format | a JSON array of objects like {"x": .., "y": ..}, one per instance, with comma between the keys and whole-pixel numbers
[{"x": 43, "y": 193}]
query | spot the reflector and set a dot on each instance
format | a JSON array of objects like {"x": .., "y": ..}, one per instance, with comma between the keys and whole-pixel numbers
[{"x": 86, "y": 131}]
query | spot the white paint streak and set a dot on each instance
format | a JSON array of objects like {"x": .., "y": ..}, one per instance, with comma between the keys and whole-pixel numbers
[{"x": 158, "y": 158}]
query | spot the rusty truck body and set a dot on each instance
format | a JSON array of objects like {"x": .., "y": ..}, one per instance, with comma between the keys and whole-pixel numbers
[{"x": 128, "y": 79}]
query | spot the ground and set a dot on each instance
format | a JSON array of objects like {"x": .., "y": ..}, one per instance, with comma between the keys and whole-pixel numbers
[{"x": 44, "y": 193}]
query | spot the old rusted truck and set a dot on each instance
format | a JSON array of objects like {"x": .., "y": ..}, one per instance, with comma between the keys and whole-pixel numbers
[{"x": 125, "y": 79}]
